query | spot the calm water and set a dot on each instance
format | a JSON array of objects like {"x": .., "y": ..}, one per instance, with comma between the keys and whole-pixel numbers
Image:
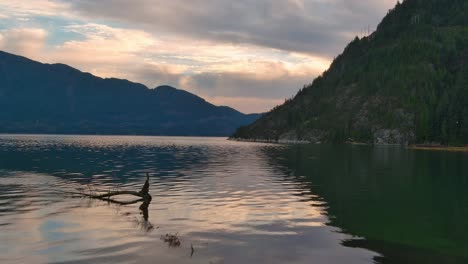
[{"x": 233, "y": 202}]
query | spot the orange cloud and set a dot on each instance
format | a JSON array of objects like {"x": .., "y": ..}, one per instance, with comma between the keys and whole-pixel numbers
[{"x": 25, "y": 41}]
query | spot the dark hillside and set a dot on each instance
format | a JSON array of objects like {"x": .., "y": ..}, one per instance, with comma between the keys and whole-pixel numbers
[{"x": 55, "y": 98}]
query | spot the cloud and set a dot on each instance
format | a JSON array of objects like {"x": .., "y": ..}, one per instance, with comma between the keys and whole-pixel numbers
[
  {"x": 25, "y": 41},
  {"x": 155, "y": 74},
  {"x": 20, "y": 8},
  {"x": 271, "y": 80},
  {"x": 246, "y": 104},
  {"x": 310, "y": 26}
]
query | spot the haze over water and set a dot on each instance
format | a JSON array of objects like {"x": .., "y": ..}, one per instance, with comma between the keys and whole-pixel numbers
[{"x": 233, "y": 202}]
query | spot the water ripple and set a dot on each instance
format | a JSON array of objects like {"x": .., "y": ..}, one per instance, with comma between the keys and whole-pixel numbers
[{"x": 233, "y": 202}]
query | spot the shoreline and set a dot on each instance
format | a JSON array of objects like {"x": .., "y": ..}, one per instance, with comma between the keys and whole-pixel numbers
[
  {"x": 355, "y": 143},
  {"x": 284, "y": 141},
  {"x": 439, "y": 148}
]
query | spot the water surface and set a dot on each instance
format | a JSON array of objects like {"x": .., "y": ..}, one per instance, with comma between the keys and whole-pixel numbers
[{"x": 233, "y": 202}]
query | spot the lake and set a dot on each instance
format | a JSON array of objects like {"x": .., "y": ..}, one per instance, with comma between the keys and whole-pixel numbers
[{"x": 232, "y": 202}]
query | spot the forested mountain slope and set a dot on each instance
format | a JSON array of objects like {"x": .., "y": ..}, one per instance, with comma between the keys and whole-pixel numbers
[{"x": 405, "y": 83}]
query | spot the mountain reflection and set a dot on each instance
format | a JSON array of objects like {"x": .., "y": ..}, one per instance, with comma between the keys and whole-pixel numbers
[{"x": 408, "y": 205}]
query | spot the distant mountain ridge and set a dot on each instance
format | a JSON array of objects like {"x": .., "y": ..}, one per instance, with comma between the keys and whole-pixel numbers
[
  {"x": 405, "y": 83},
  {"x": 56, "y": 98}
]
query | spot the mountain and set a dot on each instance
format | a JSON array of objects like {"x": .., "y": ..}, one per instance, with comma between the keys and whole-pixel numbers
[
  {"x": 405, "y": 83},
  {"x": 56, "y": 98}
]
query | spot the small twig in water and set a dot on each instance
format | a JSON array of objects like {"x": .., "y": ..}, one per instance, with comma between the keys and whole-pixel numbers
[{"x": 172, "y": 240}]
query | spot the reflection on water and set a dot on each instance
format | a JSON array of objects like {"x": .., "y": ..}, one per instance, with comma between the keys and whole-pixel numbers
[
  {"x": 410, "y": 206},
  {"x": 234, "y": 202}
]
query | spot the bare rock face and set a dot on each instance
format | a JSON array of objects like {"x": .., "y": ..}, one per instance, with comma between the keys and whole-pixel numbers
[
  {"x": 392, "y": 137},
  {"x": 311, "y": 136}
]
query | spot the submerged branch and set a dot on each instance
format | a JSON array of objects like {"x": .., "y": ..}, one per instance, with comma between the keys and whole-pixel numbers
[
  {"x": 144, "y": 195},
  {"x": 113, "y": 193}
]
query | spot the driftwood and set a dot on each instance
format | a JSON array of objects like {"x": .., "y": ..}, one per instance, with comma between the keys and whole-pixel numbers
[{"x": 144, "y": 195}]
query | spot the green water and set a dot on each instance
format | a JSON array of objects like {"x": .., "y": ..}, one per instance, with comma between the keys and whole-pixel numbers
[{"x": 409, "y": 205}]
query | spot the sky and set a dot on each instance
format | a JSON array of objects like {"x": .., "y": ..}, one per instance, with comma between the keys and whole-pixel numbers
[{"x": 247, "y": 54}]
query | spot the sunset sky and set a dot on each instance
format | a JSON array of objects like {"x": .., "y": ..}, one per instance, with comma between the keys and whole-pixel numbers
[{"x": 246, "y": 54}]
